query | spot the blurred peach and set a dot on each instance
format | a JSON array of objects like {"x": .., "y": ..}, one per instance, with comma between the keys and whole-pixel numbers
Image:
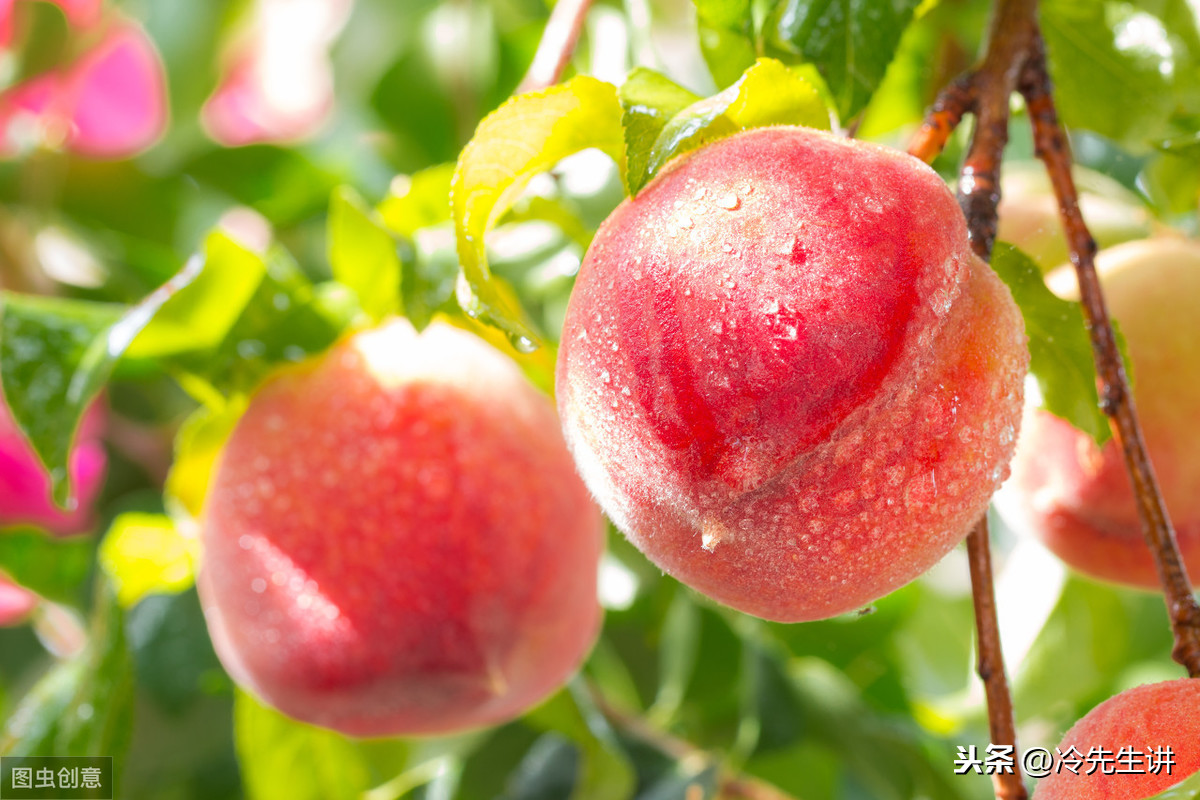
[{"x": 277, "y": 83}]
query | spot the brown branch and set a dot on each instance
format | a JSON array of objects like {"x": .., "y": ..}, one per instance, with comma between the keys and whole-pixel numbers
[
  {"x": 1116, "y": 400},
  {"x": 986, "y": 92},
  {"x": 729, "y": 787},
  {"x": 947, "y": 111},
  {"x": 559, "y": 38},
  {"x": 989, "y": 660}
]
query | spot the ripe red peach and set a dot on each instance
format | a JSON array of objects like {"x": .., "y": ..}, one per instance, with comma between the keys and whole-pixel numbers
[
  {"x": 785, "y": 375},
  {"x": 1076, "y": 497},
  {"x": 396, "y": 541},
  {"x": 1153, "y": 717}
]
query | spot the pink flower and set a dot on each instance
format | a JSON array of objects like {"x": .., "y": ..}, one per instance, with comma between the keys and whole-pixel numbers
[
  {"x": 110, "y": 103},
  {"x": 278, "y": 83},
  {"x": 25, "y": 486},
  {"x": 15, "y": 603}
]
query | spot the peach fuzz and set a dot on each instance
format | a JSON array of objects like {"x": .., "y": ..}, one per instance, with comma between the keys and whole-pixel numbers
[
  {"x": 1076, "y": 497},
  {"x": 1152, "y": 716},
  {"x": 396, "y": 541},
  {"x": 785, "y": 375}
]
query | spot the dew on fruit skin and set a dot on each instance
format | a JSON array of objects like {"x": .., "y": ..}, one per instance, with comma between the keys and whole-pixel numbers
[
  {"x": 711, "y": 533},
  {"x": 271, "y": 635},
  {"x": 246, "y": 541},
  {"x": 258, "y": 585},
  {"x": 274, "y": 422},
  {"x": 604, "y": 376},
  {"x": 685, "y": 223},
  {"x": 771, "y": 306},
  {"x": 625, "y": 391},
  {"x": 727, "y": 248},
  {"x": 790, "y": 332},
  {"x": 729, "y": 201}
]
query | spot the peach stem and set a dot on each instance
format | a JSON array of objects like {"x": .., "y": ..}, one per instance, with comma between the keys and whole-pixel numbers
[{"x": 559, "y": 38}]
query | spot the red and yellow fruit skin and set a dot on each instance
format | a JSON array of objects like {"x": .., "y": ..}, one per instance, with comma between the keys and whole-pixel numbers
[
  {"x": 396, "y": 541},
  {"x": 1076, "y": 497},
  {"x": 786, "y": 377},
  {"x": 1152, "y": 716}
]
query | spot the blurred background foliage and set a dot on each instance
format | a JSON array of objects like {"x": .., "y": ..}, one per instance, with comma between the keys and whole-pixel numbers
[{"x": 283, "y": 234}]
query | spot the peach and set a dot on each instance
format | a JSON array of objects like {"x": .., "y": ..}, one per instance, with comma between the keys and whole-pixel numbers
[
  {"x": 396, "y": 542},
  {"x": 1076, "y": 497},
  {"x": 1152, "y": 717},
  {"x": 25, "y": 486},
  {"x": 785, "y": 375}
]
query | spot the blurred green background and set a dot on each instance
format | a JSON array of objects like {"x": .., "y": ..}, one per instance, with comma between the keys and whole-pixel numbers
[{"x": 678, "y": 693}]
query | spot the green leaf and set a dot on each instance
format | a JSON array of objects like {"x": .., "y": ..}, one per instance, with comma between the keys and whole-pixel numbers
[
  {"x": 727, "y": 37},
  {"x": 200, "y": 313},
  {"x": 277, "y": 317},
  {"x": 882, "y": 756},
  {"x": 649, "y": 101},
  {"x": 54, "y": 356},
  {"x": 54, "y": 567},
  {"x": 1109, "y": 56},
  {"x": 146, "y": 554},
  {"x": 284, "y": 758},
  {"x": 1060, "y": 352},
  {"x": 767, "y": 94},
  {"x": 417, "y": 201},
  {"x": 281, "y": 757},
  {"x": 850, "y": 42},
  {"x": 197, "y": 446},
  {"x": 525, "y": 136},
  {"x": 362, "y": 254},
  {"x": 604, "y": 772},
  {"x": 82, "y": 707},
  {"x": 679, "y": 649}
]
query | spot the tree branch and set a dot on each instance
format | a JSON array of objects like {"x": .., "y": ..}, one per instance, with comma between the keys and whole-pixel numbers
[
  {"x": 1116, "y": 400},
  {"x": 1015, "y": 61},
  {"x": 989, "y": 660},
  {"x": 559, "y": 38},
  {"x": 986, "y": 93}
]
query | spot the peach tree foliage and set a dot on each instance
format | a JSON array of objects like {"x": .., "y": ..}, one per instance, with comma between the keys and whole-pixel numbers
[{"x": 868, "y": 705}]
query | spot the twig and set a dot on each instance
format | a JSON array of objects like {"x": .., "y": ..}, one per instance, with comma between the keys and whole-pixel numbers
[
  {"x": 985, "y": 92},
  {"x": 730, "y": 787},
  {"x": 989, "y": 660},
  {"x": 1116, "y": 400},
  {"x": 559, "y": 38},
  {"x": 955, "y": 100},
  {"x": 1015, "y": 61}
]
